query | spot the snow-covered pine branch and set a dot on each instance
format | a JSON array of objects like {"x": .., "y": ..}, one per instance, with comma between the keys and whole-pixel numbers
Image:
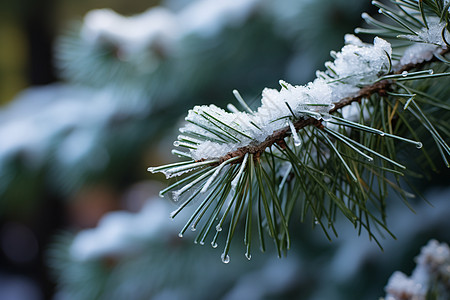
[
  {"x": 262, "y": 161},
  {"x": 220, "y": 132}
]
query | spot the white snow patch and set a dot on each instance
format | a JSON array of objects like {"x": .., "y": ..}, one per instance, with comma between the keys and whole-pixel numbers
[
  {"x": 432, "y": 263},
  {"x": 122, "y": 232},
  {"x": 418, "y": 53},
  {"x": 161, "y": 27},
  {"x": 131, "y": 34}
]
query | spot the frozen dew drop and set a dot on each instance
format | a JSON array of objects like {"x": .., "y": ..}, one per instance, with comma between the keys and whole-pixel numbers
[
  {"x": 218, "y": 228},
  {"x": 381, "y": 133},
  {"x": 248, "y": 255},
  {"x": 419, "y": 145},
  {"x": 225, "y": 258},
  {"x": 195, "y": 242},
  {"x": 193, "y": 228},
  {"x": 180, "y": 235},
  {"x": 214, "y": 244},
  {"x": 161, "y": 195},
  {"x": 297, "y": 140},
  {"x": 404, "y": 73},
  {"x": 176, "y": 143},
  {"x": 202, "y": 243},
  {"x": 369, "y": 159},
  {"x": 331, "y": 106}
]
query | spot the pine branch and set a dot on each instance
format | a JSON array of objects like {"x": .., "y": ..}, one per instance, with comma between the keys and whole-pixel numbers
[
  {"x": 253, "y": 161},
  {"x": 378, "y": 88}
]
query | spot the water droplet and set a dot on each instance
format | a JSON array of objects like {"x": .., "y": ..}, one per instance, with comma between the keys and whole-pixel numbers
[
  {"x": 369, "y": 159},
  {"x": 419, "y": 145},
  {"x": 382, "y": 134},
  {"x": 316, "y": 221},
  {"x": 248, "y": 255},
  {"x": 218, "y": 228},
  {"x": 180, "y": 235},
  {"x": 195, "y": 242},
  {"x": 176, "y": 143},
  {"x": 404, "y": 73},
  {"x": 297, "y": 140},
  {"x": 202, "y": 243},
  {"x": 380, "y": 11},
  {"x": 225, "y": 258},
  {"x": 331, "y": 106},
  {"x": 193, "y": 228},
  {"x": 431, "y": 72},
  {"x": 214, "y": 244}
]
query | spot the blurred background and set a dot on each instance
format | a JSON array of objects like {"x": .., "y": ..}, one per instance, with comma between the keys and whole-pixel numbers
[{"x": 92, "y": 93}]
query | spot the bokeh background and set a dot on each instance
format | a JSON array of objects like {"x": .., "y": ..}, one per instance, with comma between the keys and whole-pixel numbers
[{"x": 90, "y": 99}]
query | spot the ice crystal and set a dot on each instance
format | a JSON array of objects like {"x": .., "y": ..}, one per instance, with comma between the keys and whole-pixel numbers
[
  {"x": 358, "y": 64},
  {"x": 430, "y": 35}
]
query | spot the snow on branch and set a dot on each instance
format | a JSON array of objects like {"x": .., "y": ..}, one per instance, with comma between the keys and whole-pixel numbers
[
  {"x": 219, "y": 132},
  {"x": 356, "y": 71},
  {"x": 233, "y": 143}
]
